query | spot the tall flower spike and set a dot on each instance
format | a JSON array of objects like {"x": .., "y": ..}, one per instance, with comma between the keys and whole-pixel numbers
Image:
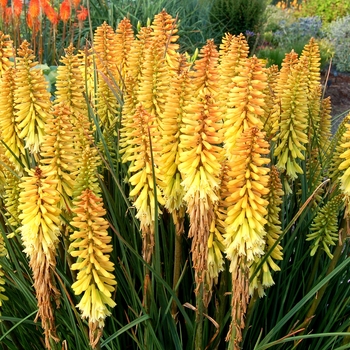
[
  {"x": 6, "y": 52},
  {"x": 200, "y": 155},
  {"x": 340, "y": 137},
  {"x": 263, "y": 278},
  {"x": 140, "y": 134},
  {"x": 245, "y": 220},
  {"x": 324, "y": 229},
  {"x": 11, "y": 195},
  {"x": 293, "y": 125},
  {"x": 70, "y": 84},
  {"x": 106, "y": 63},
  {"x": 10, "y": 131},
  {"x": 91, "y": 246},
  {"x": 345, "y": 165},
  {"x": 124, "y": 40},
  {"x": 245, "y": 232},
  {"x": 32, "y": 100},
  {"x": 164, "y": 31},
  {"x": 40, "y": 229},
  {"x": 177, "y": 100},
  {"x": 59, "y": 154},
  {"x": 311, "y": 52},
  {"x": 271, "y": 119},
  {"x": 246, "y": 101},
  {"x": 233, "y": 52}
]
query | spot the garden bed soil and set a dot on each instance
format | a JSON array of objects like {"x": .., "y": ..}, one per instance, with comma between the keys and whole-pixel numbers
[{"x": 338, "y": 88}]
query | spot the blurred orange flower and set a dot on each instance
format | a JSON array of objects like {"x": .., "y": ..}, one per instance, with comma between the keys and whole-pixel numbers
[
  {"x": 82, "y": 14},
  {"x": 17, "y": 7},
  {"x": 50, "y": 12},
  {"x": 76, "y": 3},
  {"x": 34, "y": 9},
  {"x": 65, "y": 10}
]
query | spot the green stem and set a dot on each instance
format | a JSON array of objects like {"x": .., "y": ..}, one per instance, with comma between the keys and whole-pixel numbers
[
  {"x": 178, "y": 218},
  {"x": 314, "y": 270},
  {"x": 199, "y": 319}
]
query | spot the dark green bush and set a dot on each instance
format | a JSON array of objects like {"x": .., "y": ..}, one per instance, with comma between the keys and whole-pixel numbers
[{"x": 237, "y": 16}]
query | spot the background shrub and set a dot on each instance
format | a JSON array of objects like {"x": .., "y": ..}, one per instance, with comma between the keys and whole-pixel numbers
[
  {"x": 237, "y": 16},
  {"x": 339, "y": 37}
]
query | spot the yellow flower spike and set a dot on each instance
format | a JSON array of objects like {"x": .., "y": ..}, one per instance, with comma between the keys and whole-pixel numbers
[
  {"x": 124, "y": 40},
  {"x": 70, "y": 83},
  {"x": 177, "y": 100},
  {"x": 106, "y": 54},
  {"x": 270, "y": 118},
  {"x": 32, "y": 100},
  {"x": 324, "y": 228},
  {"x": 91, "y": 245},
  {"x": 6, "y": 52},
  {"x": 87, "y": 174},
  {"x": 164, "y": 31},
  {"x": 312, "y": 52},
  {"x": 59, "y": 154},
  {"x": 154, "y": 81},
  {"x": 233, "y": 52},
  {"x": 345, "y": 165},
  {"x": 11, "y": 195},
  {"x": 140, "y": 132},
  {"x": 263, "y": 278},
  {"x": 245, "y": 233},
  {"x": 200, "y": 155},
  {"x": 246, "y": 102},
  {"x": 40, "y": 229},
  {"x": 340, "y": 137},
  {"x": 137, "y": 54},
  {"x": 10, "y": 131},
  {"x": 294, "y": 122}
]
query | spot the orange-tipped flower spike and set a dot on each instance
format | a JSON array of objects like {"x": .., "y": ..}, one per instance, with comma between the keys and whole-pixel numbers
[
  {"x": 91, "y": 246},
  {"x": 10, "y": 131},
  {"x": 34, "y": 9},
  {"x": 246, "y": 101},
  {"x": 65, "y": 10},
  {"x": 200, "y": 155},
  {"x": 17, "y": 8},
  {"x": 40, "y": 219},
  {"x": 245, "y": 232}
]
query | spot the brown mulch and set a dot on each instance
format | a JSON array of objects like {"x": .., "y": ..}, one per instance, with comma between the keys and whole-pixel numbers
[{"x": 338, "y": 88}]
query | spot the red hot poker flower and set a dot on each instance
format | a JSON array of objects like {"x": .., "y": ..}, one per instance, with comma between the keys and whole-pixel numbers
[
  {"x": 65, "y": 10},
  {"x": 34, "y": 9},
  {"x": 17, "y": 7},
  {"x": 82, "y": 14}
]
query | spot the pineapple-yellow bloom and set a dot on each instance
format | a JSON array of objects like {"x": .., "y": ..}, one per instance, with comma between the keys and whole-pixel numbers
[
  {"x": 9, "y": 127},
  {"x": 70, "y": 83},
  {"x": 40, "y": 219},
  {"x": 293, "y": 125},
  {"x": 39, "y": 212},
  {"x": 58, "y": 152},
  {"x": 6, "y": 52},
  {"x": 245, "y": 102},
  {"x": 201, "y": 155},
  {"x": 263, "y": 278},
  {"x": 245, "y": 220},
  {"x": 106, "y": 62},
  {"x": 345, "y": 165},
  {"x": 32, "y": 100},
  {"x": 91, "y": 246}
]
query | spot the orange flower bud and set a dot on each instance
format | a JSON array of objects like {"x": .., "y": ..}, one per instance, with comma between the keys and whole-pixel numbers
[
  {"x": 65, "y": 10},
  {"x": 82, "y": 14}
]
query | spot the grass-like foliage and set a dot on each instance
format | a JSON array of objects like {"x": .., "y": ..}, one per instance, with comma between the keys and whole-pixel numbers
[{"x": 162, "y": 201}]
